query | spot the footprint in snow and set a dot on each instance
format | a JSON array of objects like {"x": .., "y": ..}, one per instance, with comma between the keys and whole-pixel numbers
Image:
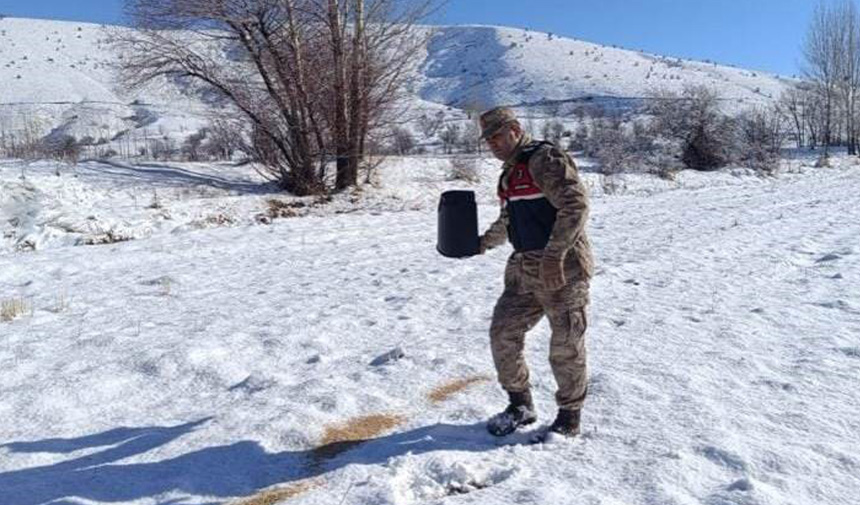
[
  {"x": 737, "y": 492},
  {"x": 775, "y": 385},
  {"x": 838, "y": 305},
  {"x": 828, "y": 258},
  {"x": 851, "y": 352},
  {"x": 389, "y": 357},
  {"x": 423, "y": 479},
  {"x": 158, "y": 281},
  {"x": 741, "y": 485},
  {"x": 252, "y": 385},
  {"x": 397, "y": 301},
  {"x": 723, "y": 458}
]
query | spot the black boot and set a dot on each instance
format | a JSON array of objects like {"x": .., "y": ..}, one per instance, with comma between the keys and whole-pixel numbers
[
  {"x": 520, "y": 412},
  {"x": 566, "y": 423}
]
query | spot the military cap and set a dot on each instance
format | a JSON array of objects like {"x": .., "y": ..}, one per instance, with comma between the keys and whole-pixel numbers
[{"x": 494, "y": 119}]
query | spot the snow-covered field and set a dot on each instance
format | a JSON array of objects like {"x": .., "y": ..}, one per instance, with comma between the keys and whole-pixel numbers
[{"x": 209, "y": 363}]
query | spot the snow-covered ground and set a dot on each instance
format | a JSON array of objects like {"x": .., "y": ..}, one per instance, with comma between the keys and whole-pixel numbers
[
  {"x": 204, "y": 364},
  {"x": 47, "y": 205}
]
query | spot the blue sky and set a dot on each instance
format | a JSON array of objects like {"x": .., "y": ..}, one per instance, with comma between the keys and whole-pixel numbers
[{"x": 758, "y": 34}]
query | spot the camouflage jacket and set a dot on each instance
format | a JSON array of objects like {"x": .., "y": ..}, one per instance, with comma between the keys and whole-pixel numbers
[{"x": 555, "y": 173}]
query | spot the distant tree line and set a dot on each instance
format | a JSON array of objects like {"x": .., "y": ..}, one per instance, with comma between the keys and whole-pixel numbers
[
  {"x": 221, "y": 140},
  {"x": 671, "y": 131},
  {"x": 827, "y": 103}
]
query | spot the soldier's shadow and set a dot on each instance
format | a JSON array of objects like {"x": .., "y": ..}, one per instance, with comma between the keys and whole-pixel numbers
[{"x": 237, "y": 469}]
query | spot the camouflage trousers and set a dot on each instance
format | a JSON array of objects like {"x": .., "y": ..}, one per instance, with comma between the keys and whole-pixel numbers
[{"x": 522, "y": 305}]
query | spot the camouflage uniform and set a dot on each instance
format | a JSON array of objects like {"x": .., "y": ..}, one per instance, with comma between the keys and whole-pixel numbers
[{"x": 526, "y": 299}]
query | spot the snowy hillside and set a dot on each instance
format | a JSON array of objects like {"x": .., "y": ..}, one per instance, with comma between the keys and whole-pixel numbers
[
  {"x": 240, "y": 363},
  {"x": 484, "y": 65},
  {"x": 57, "y": 75},
  {"x": 54, "y": 61}
]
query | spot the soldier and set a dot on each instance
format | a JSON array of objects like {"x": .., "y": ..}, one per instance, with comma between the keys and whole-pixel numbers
[{"x": 544, "y": 213}]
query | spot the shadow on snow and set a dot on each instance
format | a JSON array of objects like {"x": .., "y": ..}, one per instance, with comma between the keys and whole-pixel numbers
[
  {"x": 167, "y": 175},
  {"x": 227, "y": 471}
]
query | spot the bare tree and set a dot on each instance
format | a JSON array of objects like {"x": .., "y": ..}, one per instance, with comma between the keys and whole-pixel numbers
[
  {"x": 224, "y": 138},
  {"x": 373, "y": 44},
  {"x": 795, "y": 106},
  {"x": 429, "y": 125},
  {"x": 311, "y": 77},
  {"x": 761, "y": 134},
  {"x": 815, "y": 116},
  {"x": 470, "y": 137},
  {"x": 450, "y": 136},
  {"x": 849, "y": 69},
  {"x": 823, "y": 53}
]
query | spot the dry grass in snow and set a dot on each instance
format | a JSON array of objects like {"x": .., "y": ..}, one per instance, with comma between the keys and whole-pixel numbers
[
  {"x": 273, "y": 496},
  {"x": 342, "y": 437},
  {"x": 12, "y": 308},
  {"x": 446, "y": 390}
]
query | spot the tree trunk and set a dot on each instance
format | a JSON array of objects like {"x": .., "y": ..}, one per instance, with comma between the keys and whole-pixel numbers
[
  {"x": 357, "y": 102},
  {"x": 340, "y": 124}
]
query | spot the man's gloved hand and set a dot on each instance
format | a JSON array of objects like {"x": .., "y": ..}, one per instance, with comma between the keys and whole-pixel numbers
[{"x": 552, "y": 273}]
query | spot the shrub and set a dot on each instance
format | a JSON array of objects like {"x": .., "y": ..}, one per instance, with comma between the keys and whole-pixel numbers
[
  {"x": 761, "y": 134},
  {"x": 694, "y": 120},
  {"x": 579, "y": 139},
  {"x": 464, "y": 169},
  {"x": 553, "y": 131},
  {"x": 163, "y": 149},
  {"x": 705, "y": 150},
  {"x": 403, "y": 141},
  {"x": 192, "y": 147},
  {"x": 450, "y": 136},
  {"x": 610, "y": 145},
  {"x": 61, "y": 147},
  {"x": 621, "y": 147}
]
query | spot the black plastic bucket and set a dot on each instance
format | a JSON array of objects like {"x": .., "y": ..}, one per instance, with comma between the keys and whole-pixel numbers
[{"x": 458, "y": 224}]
